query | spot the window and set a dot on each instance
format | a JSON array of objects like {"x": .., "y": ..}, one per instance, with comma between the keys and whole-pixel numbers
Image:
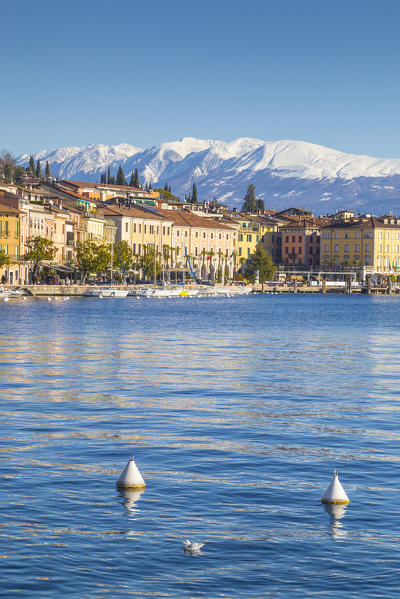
[
  {"x": 357, "y": 247},
  {"x": 240, "y": 251},
  {"x": 177, "y": 233},
  {"x": 346, "y": 247},
  {"x": 293, "y": 238},
  {"x": 287, "y": 238},
  {"x": 346, "y": 235},
  {"x": 286, "y": 250},
  {"x": 212, "y": 235},
  {"x": 6, "y": 228},
  {"x": 167, "y": 230},
  {"x": 186, "y": 233},
  {"x": 249, "y": 237},
  {"x": 248, "y": 251},
  {"x": 196, "y": 251},
  {"x": 326, "y": 248},
  {"x": 299, "y": 250},
  {"x": 380, "y": 247},
  {"x": 158, "y": 230},
  {"x": 300, "y": 238},
  {"x": 204, "y": 235},
  {"x": 126, "y": 227},
  {"x": 220, "y": 236},
  {"x": 257, "y": 238},
  {"x": 16, "y": 252},
  {"x": 134, "y": 248},
  {"x": 197, "y": 234},
  {"x": 387, "y": 236},
  {"x": 151, "y": 227},
  {"x": 387, "y": 249},
  {"x": 367, "y": 247},
  {"x": 240, "y": 237},
  {"x": 227, "y": 237},
  {"x": 336, "y": 248},
  {"x": 357, "y": 235},
  {"x": 336, "y": 235},
  {"x": 397, "y": 249},
  {"x": 145, "y": 228},
  {"x": 163, "y": 230},
  {"x": 380, "y": 236},
  {"x": 326, "y": 235}
]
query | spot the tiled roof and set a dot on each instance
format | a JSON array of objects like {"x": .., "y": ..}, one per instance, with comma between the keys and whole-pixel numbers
[{"x": 188, "y": 219}]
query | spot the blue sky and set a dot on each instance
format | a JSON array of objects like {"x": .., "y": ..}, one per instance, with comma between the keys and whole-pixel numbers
[{"x": 96, "y": 71}]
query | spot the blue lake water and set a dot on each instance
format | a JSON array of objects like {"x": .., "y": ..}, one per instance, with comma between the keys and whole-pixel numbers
[{"x": 237, "y": 411}]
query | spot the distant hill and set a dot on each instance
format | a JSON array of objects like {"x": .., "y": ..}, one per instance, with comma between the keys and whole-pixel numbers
[{"x": 285, "y": 173}]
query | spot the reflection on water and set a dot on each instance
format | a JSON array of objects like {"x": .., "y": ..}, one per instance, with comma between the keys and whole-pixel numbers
[
  {"x": 337, "y": 512},
  {"x": 236, "y": 411}
]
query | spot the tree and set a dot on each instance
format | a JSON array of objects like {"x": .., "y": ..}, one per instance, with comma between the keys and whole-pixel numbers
[
  {"x": 108, "y": 175},
  {"x": 47, "y": 174},
  {"x": 136, "y": 182},
  {"x": 7, "y": 166},
  {"x": 38, "y": 171},
  {"x": 38, "y": 249},
  {"x": 132, "y": 179},
  {"x": 260, "y": 205},
  {"x": 194, "y": 194},
  {"x": 92, "y": 256},
  {"x": 121, "y": 176},
  {"x": 31, "y": 168},
  {"x": 4, "y": 259},
  {"x": 166, "y": 187},
  {"x": 250, "y": 203},
  {"x": 146, "y": 263},
  {"x": 103, "y": 178},
  {"x": 112, "y": 180},
  {"x": 123, "y": 255},
  {"x": 260, "y": 260}
]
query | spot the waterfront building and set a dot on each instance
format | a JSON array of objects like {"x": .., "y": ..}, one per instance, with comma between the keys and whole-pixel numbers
[
  {"x": 301, "y": 243},
  {"x": 210, "y": 245},
  {"x": 365, "y": 243},
  {"x": 9, "y": 242}
]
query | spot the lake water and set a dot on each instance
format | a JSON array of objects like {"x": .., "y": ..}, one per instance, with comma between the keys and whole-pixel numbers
[{"x": 237, "y": 411}]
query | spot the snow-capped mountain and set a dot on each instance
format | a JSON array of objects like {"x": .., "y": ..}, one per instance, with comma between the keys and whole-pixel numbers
[{"x": 285, "y": 173}]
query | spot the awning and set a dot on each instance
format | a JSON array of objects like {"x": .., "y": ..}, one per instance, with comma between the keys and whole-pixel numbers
[{"x": 59, "y": 267}]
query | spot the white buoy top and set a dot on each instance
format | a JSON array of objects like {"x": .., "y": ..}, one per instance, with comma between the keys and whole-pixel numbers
[
  {"x": 131, "y": 477},
  {"x": 335, "y": 492}
]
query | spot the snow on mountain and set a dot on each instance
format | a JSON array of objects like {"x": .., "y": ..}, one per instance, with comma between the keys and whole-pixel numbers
[{"x": 284, "y": 172}]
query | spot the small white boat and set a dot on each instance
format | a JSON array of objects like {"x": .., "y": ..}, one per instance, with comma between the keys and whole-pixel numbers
[
  {"x": 5, "y": 292},
  {"x": 106, "y": 292},
  {"x": 114, "y": 292}
]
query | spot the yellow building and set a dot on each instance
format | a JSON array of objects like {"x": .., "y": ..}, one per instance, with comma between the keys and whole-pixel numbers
[
  {"x": 255, "y": 231},
  {"x": 10, "y": 242},
  {"x": 365, "y": 242}
]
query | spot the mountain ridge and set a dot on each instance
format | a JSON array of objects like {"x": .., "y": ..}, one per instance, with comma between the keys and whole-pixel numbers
[{"x": 284, "y": 172}]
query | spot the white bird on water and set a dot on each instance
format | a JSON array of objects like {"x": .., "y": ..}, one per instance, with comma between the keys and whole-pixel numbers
[{"x": 192, "y": 547}]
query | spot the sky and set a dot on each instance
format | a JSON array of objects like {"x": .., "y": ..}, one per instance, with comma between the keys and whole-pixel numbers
[{"x": 92, "y": 71}]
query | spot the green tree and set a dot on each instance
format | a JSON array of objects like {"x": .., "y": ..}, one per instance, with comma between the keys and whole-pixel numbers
[
  {"x": 38, "y": 249},
  {"x": 146, "y": 263},
  {"x": 4, "y": 259},
  {"x": 132, "y": 180},
  {"x": 121, "y": 176},
  {"x": 260, "y": 260},
  {"x": 103, "y": 178},
  {"x": 260, "y": 205},
  {"x": 31, "y": 168},
  {"x": 38, "y": 171},
  {"x": 194, "y": 194},
  {"x": 92, "y": 257},
  {"x": 250, "y": 203},
  {"x": 108, "y": 175},
  {"x": 112, "y": 180},
  {"x": 47, "y": 171},
  {"x": 166, "y": 187},
  {"x": 123, "y": 255},
  {"x": 136, "y": 182}
]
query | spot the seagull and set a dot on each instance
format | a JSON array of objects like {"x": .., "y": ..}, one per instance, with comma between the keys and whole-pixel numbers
[
  {"x": 49, "y": 299},
  {"x": 192, "y": 547}
]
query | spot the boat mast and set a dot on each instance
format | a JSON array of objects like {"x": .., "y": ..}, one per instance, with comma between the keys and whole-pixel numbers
[{"x": 111, "y": 267}]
